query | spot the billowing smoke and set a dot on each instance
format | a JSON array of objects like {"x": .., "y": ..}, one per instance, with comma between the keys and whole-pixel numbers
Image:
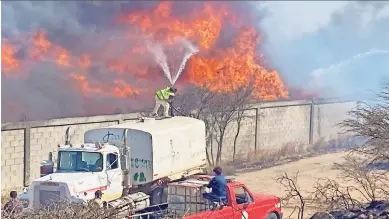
[
  {"x": 64, "y": 59},
  {"x": 84, "y": 58},
  {"x": 40, "y": 89},
  {"x": 340, "y": 48}
]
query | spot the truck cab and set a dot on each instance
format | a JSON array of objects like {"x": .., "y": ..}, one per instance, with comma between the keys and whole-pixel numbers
[
  {"x": 185, "y": 200},
  {"x": 81, "y": 170}
]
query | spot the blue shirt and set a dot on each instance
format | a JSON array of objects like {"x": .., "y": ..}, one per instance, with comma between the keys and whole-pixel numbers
[{"x": 219, "y": 186}]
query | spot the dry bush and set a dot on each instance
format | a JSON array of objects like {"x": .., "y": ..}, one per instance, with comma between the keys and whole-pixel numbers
[
  {"x": 4, "y": 197},
  {"x": 341, "y": 142},
  {"x": 293, "y": 196},
  {"x": 329, "y": 194},
  {"x": 64, "y": 209},
  {"x": 372, "y": 185},
  {"x": 370, "y": 123},
  {"x": 289, "y": 152},
  {"x": 357, "y": 186},
  {"x": 267, "y": 157}
]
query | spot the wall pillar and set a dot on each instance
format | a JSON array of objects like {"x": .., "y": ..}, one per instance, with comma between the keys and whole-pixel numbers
[
  {"x": 27, "y": 155},
  {"x": 311, "y": 122}
]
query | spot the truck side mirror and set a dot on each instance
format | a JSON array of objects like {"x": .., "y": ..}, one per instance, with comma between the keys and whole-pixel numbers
[
  {"x": 47, "y": 167},
  {"x": 245, "y": 205}
]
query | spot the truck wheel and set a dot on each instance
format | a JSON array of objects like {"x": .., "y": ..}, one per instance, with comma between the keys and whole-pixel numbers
[{"x": 271, "y": 216}]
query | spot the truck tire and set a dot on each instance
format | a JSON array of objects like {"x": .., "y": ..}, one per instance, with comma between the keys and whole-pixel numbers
[{"x": 272, "y": 216}]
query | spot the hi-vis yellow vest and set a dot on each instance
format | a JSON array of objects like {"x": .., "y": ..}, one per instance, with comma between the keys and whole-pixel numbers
[{"x": 164, "y": 94}]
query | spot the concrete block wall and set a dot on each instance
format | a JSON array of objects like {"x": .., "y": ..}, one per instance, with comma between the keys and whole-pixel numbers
[
  {"x": 274, "y": 124},
  {"x": 12, "y": 159},
  {"x": 326, "y": 118},
  {"x": 245, "y": 139},
  {"x": 281, "y": 125},
  {"x": 265, "y": 125}
]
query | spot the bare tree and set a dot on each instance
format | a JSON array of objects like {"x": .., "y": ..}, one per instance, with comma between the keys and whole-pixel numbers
[
  {"x": 225, "y": 110},
  {"x": 239, "y": 117},
  {"x": 370, "y": 121},
  {"x": 293, "y": 193},
  {"x": 194, "y": 101},
  {"x": 355, "y": 187},
  {"x": 218, "y": 110},
  {"x": 370, "y": 184}
]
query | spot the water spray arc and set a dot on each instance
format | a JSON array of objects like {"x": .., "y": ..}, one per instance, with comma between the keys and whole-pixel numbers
[
  {"x": 191, "y": 50},
  {"x": 160, "y": 57}
]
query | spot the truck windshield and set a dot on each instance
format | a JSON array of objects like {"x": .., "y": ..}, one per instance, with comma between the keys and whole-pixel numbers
[{"x": 80, "y": 161}]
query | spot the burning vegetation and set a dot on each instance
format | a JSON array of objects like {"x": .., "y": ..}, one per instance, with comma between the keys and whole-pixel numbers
[{"x": 122, "y": 66}]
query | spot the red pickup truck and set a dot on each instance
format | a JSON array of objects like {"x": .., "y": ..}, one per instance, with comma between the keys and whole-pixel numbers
[{"x": 241, "y": 202}]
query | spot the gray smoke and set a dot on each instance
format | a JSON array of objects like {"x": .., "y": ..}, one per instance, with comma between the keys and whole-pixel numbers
[
  {"x": 299, "y": 38},
  {"x": 47, "y": 91},
  {"x": 305, "y": 37}
]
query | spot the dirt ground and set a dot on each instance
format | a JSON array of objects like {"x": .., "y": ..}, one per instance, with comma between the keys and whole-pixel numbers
[{"x": 310, "y": 169}]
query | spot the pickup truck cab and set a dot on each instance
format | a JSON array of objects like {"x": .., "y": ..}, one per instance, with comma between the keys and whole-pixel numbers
[{"x": 185, "y": 199}]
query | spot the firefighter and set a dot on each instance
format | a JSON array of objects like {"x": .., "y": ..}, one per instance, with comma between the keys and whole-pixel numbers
[{"x": 163, "y": 98}]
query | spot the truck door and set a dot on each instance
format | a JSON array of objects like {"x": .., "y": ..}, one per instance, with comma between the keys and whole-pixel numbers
[
  {"x": 114, "y": 177},
  {"x": 227, "y": 212},
  {"x": 243, "y": 204}
]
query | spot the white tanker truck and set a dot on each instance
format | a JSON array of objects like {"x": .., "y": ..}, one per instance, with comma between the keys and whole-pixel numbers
[{"x": 130, "y": 163}]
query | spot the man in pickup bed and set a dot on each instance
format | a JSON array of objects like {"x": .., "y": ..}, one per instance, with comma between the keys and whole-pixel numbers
[{"x": 218, "y": 184}]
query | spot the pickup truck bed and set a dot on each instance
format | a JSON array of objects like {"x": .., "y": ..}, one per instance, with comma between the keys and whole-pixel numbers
[{"x": 241, "y": 203}]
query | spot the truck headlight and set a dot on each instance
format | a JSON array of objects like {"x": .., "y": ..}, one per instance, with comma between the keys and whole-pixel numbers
[{"x": 25, "y": 202}]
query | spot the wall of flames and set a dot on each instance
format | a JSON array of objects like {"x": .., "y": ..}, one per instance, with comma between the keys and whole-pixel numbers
[{"x": 228, "y": 57}]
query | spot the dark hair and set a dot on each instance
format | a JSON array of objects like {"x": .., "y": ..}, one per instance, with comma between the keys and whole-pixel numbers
[
  {"x": 98, "y": 194},
  {"x": 217, "y": 170},
  {"x": 172, "y": 89},
  {"x": 13, "y": 194}
]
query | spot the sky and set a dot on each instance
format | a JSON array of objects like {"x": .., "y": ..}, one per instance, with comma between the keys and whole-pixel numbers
[{"x": 342, "y": 48}]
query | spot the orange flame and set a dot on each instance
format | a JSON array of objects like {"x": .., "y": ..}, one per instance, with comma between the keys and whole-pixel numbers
[
  {"x": 83, "y": 85},
  {"x": 119, "y": 88},
  {"x": 122, "y": 89},
  {"x": 40, "y": 45},
  {"x": 226, "y": 60},
  {"x": 8, "y": 60},
  {"x": 84, "y": 61},
  {"x": 222, "y": 70}
]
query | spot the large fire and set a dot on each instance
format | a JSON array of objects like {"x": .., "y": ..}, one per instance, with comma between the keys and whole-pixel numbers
[
  {"x": 228, "y": 55},
  {"x": 8, "y": 60}
]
